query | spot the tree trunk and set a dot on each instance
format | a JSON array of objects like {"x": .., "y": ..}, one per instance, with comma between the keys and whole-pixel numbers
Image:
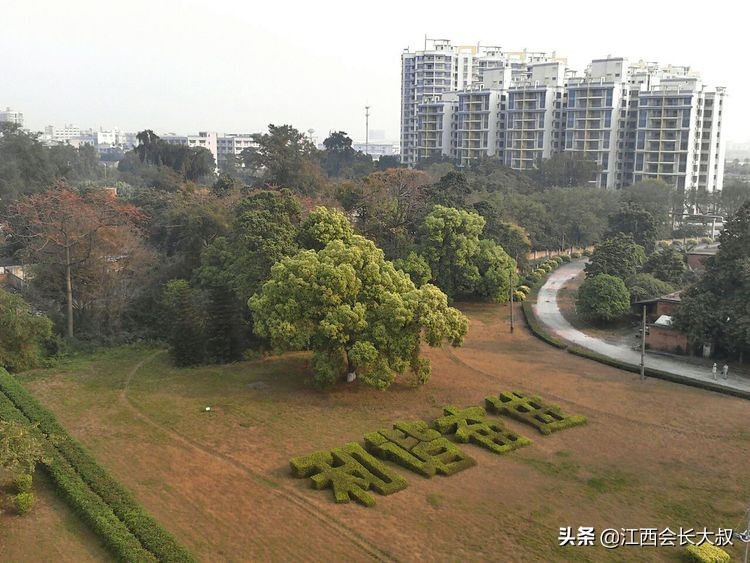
[
  {"x": 351, "y": 370},
  {"x": 69, "y": 292}
]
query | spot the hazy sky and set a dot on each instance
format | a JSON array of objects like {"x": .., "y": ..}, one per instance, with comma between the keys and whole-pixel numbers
[{"x": 235, "y": 66}]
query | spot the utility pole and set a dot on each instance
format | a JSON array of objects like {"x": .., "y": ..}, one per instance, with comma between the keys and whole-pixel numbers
[
  {"x": 643, "y": 345},
  {"x": 510, "y": 286},
  {"x": 367, "y": 129}
]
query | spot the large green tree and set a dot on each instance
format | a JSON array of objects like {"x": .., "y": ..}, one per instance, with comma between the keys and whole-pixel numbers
[
  {"x": 632, "y": 219},
  {"x": 565, "y": 170},
  {"x": 717, "y": 308},
  {"x": 22, "y": 333},
  {"x": 284, "y": 157},
  {"x": 356, "y": 312},
  {"x": 617, "y": 256},
  {"x": 667, "y": 265},
  {"x": 462, "y": 264},
  {"x": 603, "y": 298}
]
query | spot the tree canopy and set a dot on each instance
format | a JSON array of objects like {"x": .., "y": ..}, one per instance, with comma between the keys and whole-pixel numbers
[
  {"x": 603, "y": 298},
  {"x": 617, "y": 256},
  {"x": 356, "y": 312},
  {"x": 23, "y": 333},
  {"x": 717, "y": 308}
]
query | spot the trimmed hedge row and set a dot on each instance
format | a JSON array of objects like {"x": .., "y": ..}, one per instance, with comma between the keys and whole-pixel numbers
[
  {"x": 145, "y": 528},
  {"x": 89, "y": 506}
]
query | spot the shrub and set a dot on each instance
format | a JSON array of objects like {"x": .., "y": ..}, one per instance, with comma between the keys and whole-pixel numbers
[
  {"x": 557, "y": 259},
  {"x": 24, "y": 502},
  {"x": 565, "y": 258},
  {"x": 23, "y": 483},
  {"x": 603, "y": 297},
  {"x": 707, "y": 240},
  {"x": 532, "y": 410},
  {"x": 519, "y": 296},
  {"x": 646, "y": 286},
  {"x": 23, "y": 333},
  {"x": 707, "y": 553},
  {"x": 575, "y": 255},
  {"x": 587, "y": 252},
  {"x": 524, "y": 288},
  {"x": 421, "y": 449}
]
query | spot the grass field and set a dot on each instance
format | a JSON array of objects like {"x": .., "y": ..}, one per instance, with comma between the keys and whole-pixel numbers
[{"x": 654, "y": 454}]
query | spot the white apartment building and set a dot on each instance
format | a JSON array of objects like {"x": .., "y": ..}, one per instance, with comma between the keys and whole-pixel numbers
[
  {"x": 219, "y": 145},
  {"x": 636, "y": 121},
  {"x": 11, "y": 116},
  {"x": 55, "y": 135}
]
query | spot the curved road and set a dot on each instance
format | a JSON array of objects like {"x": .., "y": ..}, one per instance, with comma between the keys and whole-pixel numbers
[{"x": 548, "y": 313}]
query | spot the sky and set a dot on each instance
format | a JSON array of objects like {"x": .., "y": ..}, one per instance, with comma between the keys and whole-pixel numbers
[{"x": 235, "y": 66}]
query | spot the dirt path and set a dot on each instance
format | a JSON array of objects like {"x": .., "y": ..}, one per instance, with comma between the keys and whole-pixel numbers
[{"x": 288, "y": 495}]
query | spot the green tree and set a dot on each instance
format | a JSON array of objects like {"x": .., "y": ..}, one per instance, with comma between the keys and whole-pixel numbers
[
  {"x": 462, "y": 264},
  {"x": 452, "y": 190},
  {"x": 284, "y": 157},
  {"x": 565, "y": 170},
  {"x": 617, "y": 256},
  {"x": 322, "y": 226},
  {"x": 658, "y": 198},
  {"x": 186, "y": 335},
  {"x": 717, "y": 308},
  {"x": 416, "y": 267},
  {"x": 634, "y": 220},
  {"x": 450, "y": 244},
  {"x": 340, "y": 160},
  {"x": 25, "y": 167},
  {"x": 512, "y": 237},
  {"x": 356, "y": 312},
  {"x": 733, "y": 195},
  {"x": 645, "y": 286},
  {"x": 20, "y": 448},
  {"x": 603, "y": 298},
  {"x": 667, "y": 265},
  {"x": 23, "y": 334},
  {"x": 579, "y": 214}
]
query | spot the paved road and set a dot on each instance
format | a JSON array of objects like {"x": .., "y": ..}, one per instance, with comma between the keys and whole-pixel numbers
[{"x": 548, "y": 312}]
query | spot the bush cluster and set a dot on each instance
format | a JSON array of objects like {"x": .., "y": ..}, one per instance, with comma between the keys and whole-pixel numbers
[
  {"x": 24, "y": 502},
  {"x": 707, "y": 553},
  {"x": 532, "y": 410},
  {"x": 23, "y": 483},
  {"x": 113, "y": 513}
]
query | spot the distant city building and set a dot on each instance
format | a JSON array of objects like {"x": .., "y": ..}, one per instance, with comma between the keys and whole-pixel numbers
[
  {"x": 376, "y": 150},
  {"x": 220, "y": 146},
  {"x": 11, "y": 116},
  {"x": 637, "y": 121}
]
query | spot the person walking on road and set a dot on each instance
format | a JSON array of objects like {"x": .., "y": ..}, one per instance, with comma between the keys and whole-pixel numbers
[
  {"x": 725, "y": 371},
  {"x": 713, "y": 371}
]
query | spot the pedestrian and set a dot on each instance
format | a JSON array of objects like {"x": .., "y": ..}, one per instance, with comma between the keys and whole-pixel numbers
[
  {"x": 725, "y": 371},
  {"x": 713, "y": 371}
]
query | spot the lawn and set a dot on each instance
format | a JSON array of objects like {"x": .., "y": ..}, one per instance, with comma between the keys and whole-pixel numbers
[{"x": 653, "y": 454}]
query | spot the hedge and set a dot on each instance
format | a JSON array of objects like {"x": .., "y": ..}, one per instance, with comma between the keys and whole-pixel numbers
[
  {"x": 147, "y": 530},
  {"x": 89, "y": 506},
  {"x": 350, "y": 471},
  {"x": 411, "y": 442},
  {"x": 534, "y": 411},
  {"x": 707, "y": 553}
]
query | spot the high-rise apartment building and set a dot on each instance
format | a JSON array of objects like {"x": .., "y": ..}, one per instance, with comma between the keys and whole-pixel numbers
[
  {"x": 11, "y": 116},
  {"x": 636, "y": 121}
]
